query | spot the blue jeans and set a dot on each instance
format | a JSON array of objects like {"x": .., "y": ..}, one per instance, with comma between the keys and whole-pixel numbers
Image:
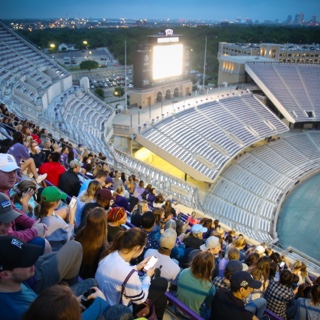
[{"x": 257, "y": 307}]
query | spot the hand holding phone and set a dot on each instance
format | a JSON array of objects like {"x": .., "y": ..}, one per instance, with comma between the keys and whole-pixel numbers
[
  {"x": 151, "y": 263},
  {"x": 72, "y": 202}
]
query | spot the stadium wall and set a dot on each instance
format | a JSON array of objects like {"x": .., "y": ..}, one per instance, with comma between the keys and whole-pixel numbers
[
  {"x": 171, "y": 159},
  {"x": 55, "y": 90},
  {"x": 270, "y": 95}
]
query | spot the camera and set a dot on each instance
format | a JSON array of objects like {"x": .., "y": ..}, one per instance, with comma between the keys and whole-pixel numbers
[{"x": 84, "y": 301}]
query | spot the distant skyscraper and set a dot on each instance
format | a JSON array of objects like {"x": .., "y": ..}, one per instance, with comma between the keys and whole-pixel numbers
[
  {"x": 314, "y": 18},
  {"x": 289, "y": 19},
  {"x": 299, "y": 18}
]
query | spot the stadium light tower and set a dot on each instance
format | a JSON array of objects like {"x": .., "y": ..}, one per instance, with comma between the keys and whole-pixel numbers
[{"x": 85, "y": 42}]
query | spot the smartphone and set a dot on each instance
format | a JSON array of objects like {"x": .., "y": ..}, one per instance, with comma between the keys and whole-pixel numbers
[
  {"x": 151, "y": 263},
  {"x": 73, "y": 202},
  {"x": 282, "y": 264}
]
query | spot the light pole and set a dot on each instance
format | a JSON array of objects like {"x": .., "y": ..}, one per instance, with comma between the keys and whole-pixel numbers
[
  {"x": 52, "y": 47},
  {"x": 85, "y": 42}
]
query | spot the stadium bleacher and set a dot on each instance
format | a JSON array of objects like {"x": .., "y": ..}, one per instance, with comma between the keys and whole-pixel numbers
[
  {"x": 214, "y": 131},
  {"x": 294, "y": 86}
]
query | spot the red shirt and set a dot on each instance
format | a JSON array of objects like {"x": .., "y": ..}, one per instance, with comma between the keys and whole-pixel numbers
[
  {"x": 36, "y": 138},
  {"x": 53, "y": 170}
]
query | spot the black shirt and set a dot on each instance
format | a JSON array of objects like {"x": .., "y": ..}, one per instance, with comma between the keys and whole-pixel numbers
[
  {"x": 69, "y": 183},
  {"x": 225, "y": 306}
]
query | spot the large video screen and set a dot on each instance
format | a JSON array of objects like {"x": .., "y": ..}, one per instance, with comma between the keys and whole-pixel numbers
[{"x": 167, "y": 61}]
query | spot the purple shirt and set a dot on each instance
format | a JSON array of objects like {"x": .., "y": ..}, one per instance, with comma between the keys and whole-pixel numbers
[{"x": 19, "y": 151}]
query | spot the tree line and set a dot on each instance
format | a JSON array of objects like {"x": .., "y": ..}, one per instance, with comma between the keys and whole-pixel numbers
[{"x": 136, "y": 38}]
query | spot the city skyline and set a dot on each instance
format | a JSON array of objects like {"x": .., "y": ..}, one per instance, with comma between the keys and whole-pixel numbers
[{"x": 177, "y": 9}]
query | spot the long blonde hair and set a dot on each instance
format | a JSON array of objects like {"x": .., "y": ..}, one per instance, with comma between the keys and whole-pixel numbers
[
  {"x": 118, "y": 191},
  {"x": 93, "y": 187}
]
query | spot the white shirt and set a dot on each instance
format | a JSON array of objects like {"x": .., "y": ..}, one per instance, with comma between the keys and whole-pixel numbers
[
  {"x": 111, "y": 273},
  {"x": 170, "y": 269}
]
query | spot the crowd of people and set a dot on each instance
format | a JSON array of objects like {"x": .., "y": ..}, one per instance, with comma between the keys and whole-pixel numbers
[{"x": 53, "y": 249}]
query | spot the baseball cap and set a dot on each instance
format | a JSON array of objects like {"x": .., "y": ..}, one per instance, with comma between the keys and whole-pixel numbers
[
  {"x": 15, "y": 253},
  {"x": 105, "y": 194},
  {"x": 7, "y": 214},
  {"x": 7, "y": 163},
  {"x": 170, "y": 224},
  {"x": 211, "y": 242},
  {"x": 260, "y": 249},
  {"x": 75, "y": 163},
  {"x": 236, "y": 265},
  {"x": 198, "y": 228},
  {"x": 51, "y": 194},
  {"x": 168, "y": 239},
  {"x": 109, "y": 180},
  {"x": 242, "y": 279}
]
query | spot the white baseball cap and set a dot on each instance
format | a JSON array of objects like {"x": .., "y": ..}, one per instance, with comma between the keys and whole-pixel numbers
[
  {"x": 198, "y": 228},
  {"x": 211, "y": 242},
  {"x": 7, "y": 163}
]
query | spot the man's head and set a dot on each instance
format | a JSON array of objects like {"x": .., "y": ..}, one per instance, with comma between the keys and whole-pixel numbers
[
  {"x": 17, "y": 259},
  {"x": 212, "y": 244},
  {"x": 103, "y": 197},
  {"x": 7, "y": 214},
  {"x": 234, "y": 266},
  {"x": 168, "y": 239},
  {"x": 8, "y": 167},
  {"x": 101, "y": 176},
  {"x": 54, "y": 156},
  {"x": 75, "y": 165},
  {"x": 148, "y": 220},
  {"x": 286, "y": 277},
  {"x": 197, "y": 230},
  {"x": 242, "y": 284}
]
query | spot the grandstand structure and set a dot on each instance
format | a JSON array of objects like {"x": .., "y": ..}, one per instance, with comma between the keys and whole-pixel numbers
[
  {"x": 292, "y": 88},
  {"x": 206, "y": 137},
  {"x": 28, "y": 76},
  {"x": 235, "y": 143}
]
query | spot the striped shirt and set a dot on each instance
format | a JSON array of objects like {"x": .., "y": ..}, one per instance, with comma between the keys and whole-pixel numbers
[{"x": 111, "y": 273}]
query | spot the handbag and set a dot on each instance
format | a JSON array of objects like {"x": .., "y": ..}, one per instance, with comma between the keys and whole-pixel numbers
[{"x": 142, "y": 310}]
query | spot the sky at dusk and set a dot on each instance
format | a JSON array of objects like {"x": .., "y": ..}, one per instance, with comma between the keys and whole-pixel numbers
[{"x": 138, "y": 9}]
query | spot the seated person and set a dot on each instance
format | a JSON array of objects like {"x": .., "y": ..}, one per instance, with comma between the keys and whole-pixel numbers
[
  {"x": 94, "y": 228},
  {"x": 194, "y": 238},
  {"x": 102, "y": 199},
  {"x": 22, "y": 156},
  {"x": 69, "y": 181},
  {"x": 60, "y": 223},
  {"x": 279, "y": 294},
  {"x": 170, "y": 268},
  {"x": 53, "y": 168},
  {"x": 36, "y": 153},
  {"x": 59, "y": 302},
  {"x": 23, "y": 196},
  {"x": 195, "y": 288},
  {"x": 308, "y": 308},
  {"x": 116, "y": 217},
  {"x": 228, "y": 304},
  {"x": 31, "y": 231},
  {"x": 120, "y": 200},
  {"x": 22, "y": 263},
  {"x": 87, "y": 196}
]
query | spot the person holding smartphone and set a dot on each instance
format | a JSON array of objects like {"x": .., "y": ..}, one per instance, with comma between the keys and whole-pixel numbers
[
  {"x": 115, "y": 266},
  {"x": 60, "y": 222}
]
